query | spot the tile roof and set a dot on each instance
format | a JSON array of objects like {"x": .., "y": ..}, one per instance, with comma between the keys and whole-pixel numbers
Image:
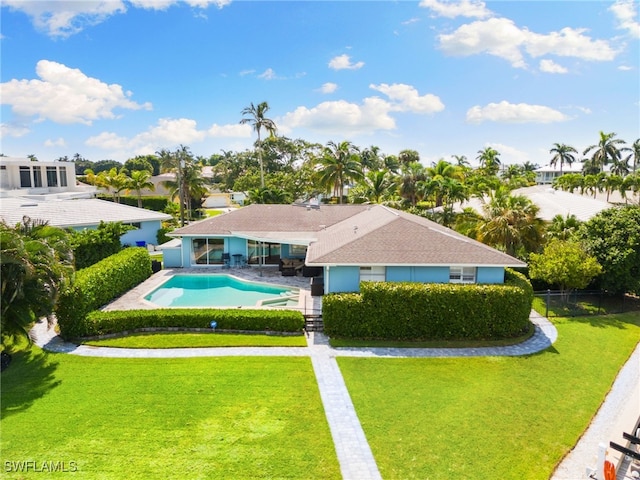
[
  {"x": 353, "y": 234},
  {"x": 74, "y": 213}
]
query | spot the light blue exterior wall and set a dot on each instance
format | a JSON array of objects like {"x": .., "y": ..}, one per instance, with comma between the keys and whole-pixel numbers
[
  {"x": 490, "y": 275},
  {"x": 235, "y": 246},
  {"x": 418, "y": 274},
  {"x": 342, "y": 279},
  {"x": 146, "y": 233},
  {"x": 171, "y": 258}
]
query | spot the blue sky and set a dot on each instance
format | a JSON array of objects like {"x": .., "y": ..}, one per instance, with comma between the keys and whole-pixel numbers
[{"x": 114, "y": 79}]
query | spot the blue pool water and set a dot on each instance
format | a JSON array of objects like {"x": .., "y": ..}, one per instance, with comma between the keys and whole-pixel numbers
[{"x": 213, "y": 291}]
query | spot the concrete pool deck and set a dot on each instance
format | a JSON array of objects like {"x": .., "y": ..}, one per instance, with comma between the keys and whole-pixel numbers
[{"x": 134, "y": 298}]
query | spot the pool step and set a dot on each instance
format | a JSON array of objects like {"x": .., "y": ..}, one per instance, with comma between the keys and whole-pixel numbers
[{"x": 313, "y": 323}]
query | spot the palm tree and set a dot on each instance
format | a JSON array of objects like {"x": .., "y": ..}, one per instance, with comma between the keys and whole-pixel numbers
[
  {"x": 114, "y": 181},
  {"x": 563, "y": 228},
  {"x": 36, "y": 263},
  {"x": 258, "y": 121},
  {"x": 605, "y": 150},
  {"x": 437, "y": 181},
  {"x": 339, "y": 164},
  {"x": 634, "y": 155},
  {"x": 412, "y": 174},
  {"x": 376, "y": 186},
  {"x": 563, "y": 154},
  {"x": 140, "y": 179},
  {"x": 489, "y": 161},
  {"x": 405, "y": 157},
  {"x": 511, "y": 224},
  {"x": 620, "y": 166},
  {"x": 612, "y": 182}
]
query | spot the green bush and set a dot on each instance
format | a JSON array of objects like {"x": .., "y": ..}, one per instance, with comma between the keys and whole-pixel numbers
[
  {"x": 101, "y": 323},
  {"x": 157, "y": 202},
  {"x": 97, "y": 285},
  {"x": 417, "y": 311}
]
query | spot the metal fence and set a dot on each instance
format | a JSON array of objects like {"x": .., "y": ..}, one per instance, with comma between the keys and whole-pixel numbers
[{"x": 584, "y": 302}]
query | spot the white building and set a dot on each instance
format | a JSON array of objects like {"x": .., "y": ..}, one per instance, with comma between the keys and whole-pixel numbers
[{"x": 49, "y": 191}]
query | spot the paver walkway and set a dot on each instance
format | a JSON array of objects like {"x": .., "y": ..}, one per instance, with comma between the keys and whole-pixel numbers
[{"x": 353, "y": 451}]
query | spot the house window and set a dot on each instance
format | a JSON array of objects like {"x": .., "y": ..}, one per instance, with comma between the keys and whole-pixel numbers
[
  {"x": 297, "y": 250},
  {"x": 63, "y": 176},
  {"x": 25, "y": 177},
  {"x": 462, "y": 274},
  {"x": 207, "y": 251},
  {"x": 52, "y": 177},
  {"x": 37, "y": 176},
  {"x": 372, "y": 274}
]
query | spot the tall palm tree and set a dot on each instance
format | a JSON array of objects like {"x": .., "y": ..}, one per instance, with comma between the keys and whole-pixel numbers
[
  {"x": 563, "y": 228},
  {"x": 377, "y": 185},
  {"x": 140, "y": 179},
  {"x": 489, "y": 160},
  {"x": 257, "y": 119},
  {"x": 634, "y": 155},
  {"x": 562, "y": 154},
  {"x": 338, "y": 164},
  {"x": 606, "y": 150},
  {"x": 114, "y": 181},
  {"x": 412, "y": 174}
]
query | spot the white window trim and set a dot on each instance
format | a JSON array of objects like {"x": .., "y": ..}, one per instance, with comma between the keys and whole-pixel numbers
[
  {"x": 373, "y": 274},
  {"x": 462, "y": 274}
]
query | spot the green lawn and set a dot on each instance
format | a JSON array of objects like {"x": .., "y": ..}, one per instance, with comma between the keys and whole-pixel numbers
[
  {"x": 222, "y": 418},
  {"x": 184, "y": 340},
  {"x": 506, "y": 418}
]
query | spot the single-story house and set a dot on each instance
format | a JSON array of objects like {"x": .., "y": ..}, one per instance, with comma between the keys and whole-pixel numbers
[
  {"x": 345, "y": 243},
  {"x": 49, "y": 191}
]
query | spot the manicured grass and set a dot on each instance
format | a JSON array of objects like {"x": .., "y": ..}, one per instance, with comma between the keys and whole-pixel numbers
[
  {"x": 196, "y": 418},
  {"x": 344, "y": 342},
  {"x": 506, "y": 418},
  {"x": 185, "y": 340},
  {"x": 580, "y": 305}
]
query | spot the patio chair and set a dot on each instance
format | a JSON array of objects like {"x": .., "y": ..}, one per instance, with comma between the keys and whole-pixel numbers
[{"x": 226, "y": 260}]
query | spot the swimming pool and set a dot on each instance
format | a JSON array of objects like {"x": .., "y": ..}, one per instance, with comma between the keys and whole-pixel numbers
[{"x": 219, "y": 291}]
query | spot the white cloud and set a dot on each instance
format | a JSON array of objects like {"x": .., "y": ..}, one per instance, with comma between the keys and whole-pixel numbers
[
  {"x": 410, "y": 21},
  {"x": 496, "y": 36},
  {"x": 65, "y": 18},
  {"x": 549, "y": 66},
  {"x": 407, "y": 98},
  {"x": 230, "y": 130},
  {"x": 463, "y": 8},
  {"x": 268, "y": 74},
  {"x": 342, "y": 117},
  {"x": 343, "y": 62},
  {"x": 502, "y": 38},
  {"x": 329, "y": 87},
  {"x": 13, "y": 130},
  {"x": 626, "y": 12},
  {"x": 58, "y": 142},
  {"x": 505, "y": 112},
  {"x": 66, "y": 95},
  {"x": 625, "y": 68}
]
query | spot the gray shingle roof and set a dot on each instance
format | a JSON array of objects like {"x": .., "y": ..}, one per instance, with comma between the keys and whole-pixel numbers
[{"x": 354, "y": 234}]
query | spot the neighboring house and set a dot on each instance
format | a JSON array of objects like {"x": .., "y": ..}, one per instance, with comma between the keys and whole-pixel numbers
[
  {"x": 550, "y": 202},
  {"x": 48, "y": 191},
  {"x": 547, "y": 174},
  {"x": 347, "y": 243}
]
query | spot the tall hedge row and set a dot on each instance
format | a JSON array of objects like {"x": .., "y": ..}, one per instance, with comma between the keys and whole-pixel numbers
[
  {"x": 102, "y": 323},
  {"x": 404, "y": 311},
  {"x": 97, "y": 285}
]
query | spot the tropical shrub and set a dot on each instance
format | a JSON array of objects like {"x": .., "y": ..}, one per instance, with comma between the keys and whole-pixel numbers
[
  {"x": 97, "y": 285},
  {"x": 92, "y": 245},
  {"x": 154, "y": 202},
  {"x": 101, "y": 323},
  {"x": 417, "y": 311}
]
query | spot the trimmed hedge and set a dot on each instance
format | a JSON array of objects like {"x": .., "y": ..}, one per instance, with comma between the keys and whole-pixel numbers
[
  {"x": 97, "y": 285},
  {"x": 102, "y": 323},
  {"x": 155, "y": 202},
  {"x": 417, "y": 311}
]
